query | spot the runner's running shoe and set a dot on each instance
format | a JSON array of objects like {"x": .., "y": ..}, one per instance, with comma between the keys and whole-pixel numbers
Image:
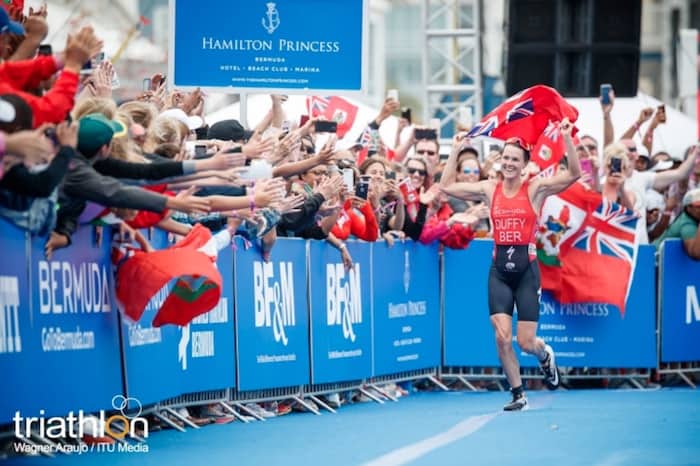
[
  {"x": 549, "y": 369},
  {"x": 519, "y": 403}
]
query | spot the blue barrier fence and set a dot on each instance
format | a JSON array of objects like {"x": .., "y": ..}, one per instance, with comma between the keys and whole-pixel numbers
[
  {"x": 300, "y": 319},
  {"x": 679, "y": 310}
]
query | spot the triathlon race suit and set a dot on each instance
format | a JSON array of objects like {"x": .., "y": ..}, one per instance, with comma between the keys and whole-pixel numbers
[{"x": 514, "y": 275}]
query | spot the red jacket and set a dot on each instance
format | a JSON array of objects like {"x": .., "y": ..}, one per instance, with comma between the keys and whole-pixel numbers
[
  {"x": 456, "y": 236},
  {"x": 52, "y": 107},
  {"x": 361, "y": 224}
]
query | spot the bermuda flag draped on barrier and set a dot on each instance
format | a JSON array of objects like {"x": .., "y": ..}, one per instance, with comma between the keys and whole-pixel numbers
[
  {"x": 189, "y": 265},
  {"x": 533, "y": 115},
  {"x": 587, "y": 248},
  {"x": 334, "y": 109}
]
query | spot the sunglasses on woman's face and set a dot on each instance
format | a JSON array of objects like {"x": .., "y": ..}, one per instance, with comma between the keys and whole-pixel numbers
[
  {"x": 469, "y": 171},
  {"x": 420, "y": 171}
]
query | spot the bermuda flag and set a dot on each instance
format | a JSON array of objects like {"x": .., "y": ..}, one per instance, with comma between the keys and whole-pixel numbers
[
  {"x": 333, "y": 109},
  {"x": 587, "y": 248},
  {"x": 188, "y": 270},
  {"x": 560, "y": 219},
  {"x": 533, "y": 115}
]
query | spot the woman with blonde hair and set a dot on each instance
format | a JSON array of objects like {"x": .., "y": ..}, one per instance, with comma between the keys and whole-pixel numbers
[
  {"x": 617, "y": 169},
  {"x": 142, "y": 113},
  {"x": 163, "y": 131},
  {"x": 89, "y": 105},
  {"x": 125, "y": 148}
]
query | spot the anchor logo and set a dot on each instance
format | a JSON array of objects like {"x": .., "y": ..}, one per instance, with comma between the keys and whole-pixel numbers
[{"x": 271, "y": 21}]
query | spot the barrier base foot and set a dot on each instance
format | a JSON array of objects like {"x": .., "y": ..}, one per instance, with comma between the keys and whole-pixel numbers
[
  {"x": 468, "y": 384},
  {"x": 382, "y": 392},
  {"x": 233, "y": 412},
  {"x": 371, "y": 395},
  {"x": 248, "y": 411},
  {"x": 437, "y": 382},
  {"x": 306, "y": 405},
  {"x": 168, "y": 421},
  {"x": 687, "y": 379},
  {"x": 181, "y": 417},
  {"x": 323, "y": 405}
]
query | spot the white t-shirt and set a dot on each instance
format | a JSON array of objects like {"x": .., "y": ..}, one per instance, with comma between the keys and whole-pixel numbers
[{"x": 639, "y": 183}]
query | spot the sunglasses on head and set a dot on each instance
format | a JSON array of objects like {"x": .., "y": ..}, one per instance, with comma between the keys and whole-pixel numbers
[
  {"x": 518, "y": 142},
  {"x": 420, "y": 171},
  {"x": 469, "y": 171},
  {"x": 426, "y": 152}
]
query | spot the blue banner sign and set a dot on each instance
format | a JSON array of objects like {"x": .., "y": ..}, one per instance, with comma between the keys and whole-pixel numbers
[
  {"x": 468, "y": 335},
  {"x": 406, "y": 307},
  {"x": 20, "y": 344},
  {"x": 59, "y": 322},
  {"x": 271, "y": 316},
  {"x": 680, "y": 304},
  {"x": 258, "y": 44},
  {"x": 582, "y": 335},
  {"x": 194, "y": 358},
  {"x": 341, "y": 318}
]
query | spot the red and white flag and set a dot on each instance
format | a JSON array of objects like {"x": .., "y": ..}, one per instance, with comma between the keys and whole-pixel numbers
[{"x": 333, "y": 109}]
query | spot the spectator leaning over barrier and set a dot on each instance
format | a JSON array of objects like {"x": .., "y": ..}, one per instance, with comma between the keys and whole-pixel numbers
[
  {"x": 83, "y": 183},
  {"x": 685, "y": 226},
  {"x": 454, "y": 230},
  {"x": 317, "y": 182}
]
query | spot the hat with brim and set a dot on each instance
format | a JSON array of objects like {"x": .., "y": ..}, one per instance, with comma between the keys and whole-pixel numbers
[
  {"x": 654, "y": 200},
  {"x": 662, "y": 165},
  {"x": 229, "y": 130},
  {"x": 692, "y": 198},
  {"x": 96, "y": 130},
  {"x": 7, "y": 25},
  {"x": 192, "y": 122}
]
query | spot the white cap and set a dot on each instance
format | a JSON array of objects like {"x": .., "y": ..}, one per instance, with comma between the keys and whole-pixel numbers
[
  {"x": 662, "y": 165},
  {"x": 692, "y": 197},
  {"x": 192, "y": 122},
  {"x": 654, "y": 200}
]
